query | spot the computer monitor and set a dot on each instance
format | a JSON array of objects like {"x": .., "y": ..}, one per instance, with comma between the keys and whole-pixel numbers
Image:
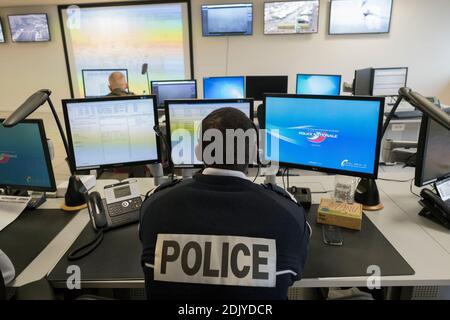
[
  {"x": 383, "y": 82},
  {"x": 433, "y": 152},
  {"x": 227, "y": 19},
  {"x": 25, "y": 162},
  {"x": 111, "y": 132},
  {"x": 320, "y": 84},
  {"x": 339, "y": 134},
  {"x": 29, "y": 27},
  {"x": 2, "y": 34},
  {"x": 223, "y": 87},
  {"x": 96, "y": 81},
  {"x": 183, "y": 117},
  {"x": 171, "y": 90},
  {"x": 387, "y": 81},
  {"x": 256, "y": 86}
]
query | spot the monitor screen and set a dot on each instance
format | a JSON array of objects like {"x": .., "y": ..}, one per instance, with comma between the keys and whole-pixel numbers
[
  {"x": 24, "y": 157},
  {"x": 171, "y": 90},
  {"x": 387, "y": 81},
  {"x": 96, "y": 81},
  {"x": 433, "y": 152},
  {"x": 256, "y": 86},
  {"x": 2, "y": 35},
  {"x": 184, "y": 119},
  {"x": 324, "y": 133},
  {"x": 357, "y": 16},
  {"x": 291, "y": 17},
  {"x": 111, "y": 132},
  {"x": 319, "y": 84},
  {"x": 227, "y": 19},
  {"x": 29, "y": 27},
  {"x": 223, "y": 88}
]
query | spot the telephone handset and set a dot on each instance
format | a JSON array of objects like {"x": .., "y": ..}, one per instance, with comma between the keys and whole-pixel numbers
[
  {"x": 120, "y": 207},
  {"x": 434, "y": 208}
]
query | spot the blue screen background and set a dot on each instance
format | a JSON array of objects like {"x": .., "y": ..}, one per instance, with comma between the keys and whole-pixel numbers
[
  {"x": 348, "y": 129},
  {"x": 22, "y": 158},
  {"x": 223, "y": 88},
  {"x": 318, "y": 84}
]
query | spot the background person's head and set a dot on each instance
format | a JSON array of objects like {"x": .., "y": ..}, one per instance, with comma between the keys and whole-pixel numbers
[
  {"x": 117, "y": 80},
  {"x": 230, "y": 119}
]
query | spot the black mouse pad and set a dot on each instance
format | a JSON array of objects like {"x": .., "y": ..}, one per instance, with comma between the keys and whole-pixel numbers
[{"x": 360, "y": 250}]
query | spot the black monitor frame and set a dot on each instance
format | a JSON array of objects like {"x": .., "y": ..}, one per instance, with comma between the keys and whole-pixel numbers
[
  {"x": 2, "y": 31},
  {"x": 199, "y": 102},
  {"x": 373, "y": 175},
  {"x": 172, "y": 81},
  {"x": 261, "y": 96},
  {"x": 224, "y": 77},
  {"x": 226, "y": 34},
  {"x": 96, "y": 70},
  {"x": 356, "y": 33},
  {"x": 291, "y": 33},
  {"x": 30, "y": 14},
  {"x": 319, "y": 75},
  {"x": 421, "y": 152},
  {"x": 48, "y": 161},
  {"x": 106, "y": 99}
]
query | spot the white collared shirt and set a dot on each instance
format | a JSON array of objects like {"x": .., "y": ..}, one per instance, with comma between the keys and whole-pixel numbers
[{"x": 224, "y": 172}]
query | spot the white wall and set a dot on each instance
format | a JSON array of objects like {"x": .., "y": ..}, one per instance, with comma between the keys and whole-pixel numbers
[{"x": 419, "y": 39}]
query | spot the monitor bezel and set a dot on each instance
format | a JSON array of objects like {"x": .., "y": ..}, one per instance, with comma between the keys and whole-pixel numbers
[
  {"x": 224, "y": 77},
  {"x": 200, "y": 102},
  {"x": 106, "y": 99},
  {"x": 357, "y": 33},
  {"x": 319, "y": 75},
  {"x": 29, "y": 14},
  {"x": 227, "y": 34},
  {"x": 265, "y": 76},
  {"x": 161, "y": 106},
  {"x": 421, "y": 151},
  {"x": 48, "y": 161},
  {"x": 2, "y": 31},
  {"x": 94, "y": 70},
  {"x": 372, "y": 78},
  {"x": 292, "y": 33},
  {"x": 373, "y": 175}
]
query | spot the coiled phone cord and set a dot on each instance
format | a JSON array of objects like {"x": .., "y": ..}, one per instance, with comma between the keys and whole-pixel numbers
[{"x": 78, "y": 253}]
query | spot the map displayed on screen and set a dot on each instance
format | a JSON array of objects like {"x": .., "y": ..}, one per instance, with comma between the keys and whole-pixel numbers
[
  {"x": 360, "y": 16},
  {"x": 291, "y": 17},
  {"x": 29, "y": 28}
]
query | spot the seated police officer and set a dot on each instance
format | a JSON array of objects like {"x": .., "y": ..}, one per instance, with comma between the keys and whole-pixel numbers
[
  {"x": 219, "y": 235},
  {"x": 118, "y": 85}
]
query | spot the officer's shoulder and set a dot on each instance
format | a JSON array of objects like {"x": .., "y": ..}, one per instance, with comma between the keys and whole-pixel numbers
[{"x": 277, "y": 192}]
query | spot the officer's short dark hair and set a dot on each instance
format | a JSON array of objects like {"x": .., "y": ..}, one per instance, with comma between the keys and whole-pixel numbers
[{"x": 223, "y": 119}]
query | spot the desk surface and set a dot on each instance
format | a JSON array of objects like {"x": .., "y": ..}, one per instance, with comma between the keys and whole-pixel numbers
[{"x": 424, "y": 245}]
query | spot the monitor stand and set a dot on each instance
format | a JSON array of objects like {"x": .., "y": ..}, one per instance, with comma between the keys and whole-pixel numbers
[{"x": 367, "y": 194}]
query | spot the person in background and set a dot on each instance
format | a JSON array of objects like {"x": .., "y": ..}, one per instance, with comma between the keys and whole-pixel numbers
[{"x": 118, "y": 85}]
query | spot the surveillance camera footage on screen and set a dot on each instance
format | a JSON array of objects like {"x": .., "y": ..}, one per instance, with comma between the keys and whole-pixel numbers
[
  {"x": 291, "y": 17},
  {"x": 29, "y": 28},
  {"x": 360, "y": 16}
]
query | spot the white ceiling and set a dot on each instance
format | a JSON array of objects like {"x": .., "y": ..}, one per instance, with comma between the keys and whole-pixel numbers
[{"x": 15, "y": 3}]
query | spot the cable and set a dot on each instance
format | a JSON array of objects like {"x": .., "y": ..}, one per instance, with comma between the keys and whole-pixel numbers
[
  {"x": 78, "y": 253},
  {"x": 394, "y": 180},
  {"x": 159, "y": 133},
  {"x": 287, "y": 176},
  {"x": 227, "y": 57},
  {"x": 282, "y": 178},
  {"x": 411, "y": 189}
]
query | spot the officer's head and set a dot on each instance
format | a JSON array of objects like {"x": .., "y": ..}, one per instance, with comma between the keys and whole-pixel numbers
[
  {"x": 228, "y": 141},
  {"x": 117, "y": 80}
]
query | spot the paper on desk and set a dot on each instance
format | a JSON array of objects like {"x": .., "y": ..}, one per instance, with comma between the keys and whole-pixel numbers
[{"x": 10, "y": 208}]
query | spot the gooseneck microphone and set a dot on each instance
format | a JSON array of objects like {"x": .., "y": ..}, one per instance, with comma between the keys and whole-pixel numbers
[
  {"x": 144, "y": 71},
  {"x": 36, "y": 100}
]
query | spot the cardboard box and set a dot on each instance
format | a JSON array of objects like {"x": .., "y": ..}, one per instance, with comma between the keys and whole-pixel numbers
[{"x": 340, "y": 214}]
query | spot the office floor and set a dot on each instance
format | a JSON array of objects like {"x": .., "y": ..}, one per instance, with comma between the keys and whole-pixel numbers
[{"x": 60, "y": 166}]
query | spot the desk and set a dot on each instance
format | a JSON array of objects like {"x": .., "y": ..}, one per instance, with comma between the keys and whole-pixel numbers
[{"x": 420, "y": 242}]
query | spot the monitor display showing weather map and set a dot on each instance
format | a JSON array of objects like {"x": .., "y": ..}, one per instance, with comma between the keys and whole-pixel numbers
[
  {"x": 360, "y": 16},
  {"x": 291, "y": 17},
  {"x": 324, "y": 133},
  {"x": 29, "y": 28}
]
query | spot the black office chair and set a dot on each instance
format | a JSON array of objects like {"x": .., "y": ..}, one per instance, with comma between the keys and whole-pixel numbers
[
  {"x": 261, "y": 114},
  {"x": 2, "y": 287}
]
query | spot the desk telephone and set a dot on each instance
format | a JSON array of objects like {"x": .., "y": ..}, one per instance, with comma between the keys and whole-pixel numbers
[
  {"x": 120, "y": 207},
  {"x": 435, "y": 208}
]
